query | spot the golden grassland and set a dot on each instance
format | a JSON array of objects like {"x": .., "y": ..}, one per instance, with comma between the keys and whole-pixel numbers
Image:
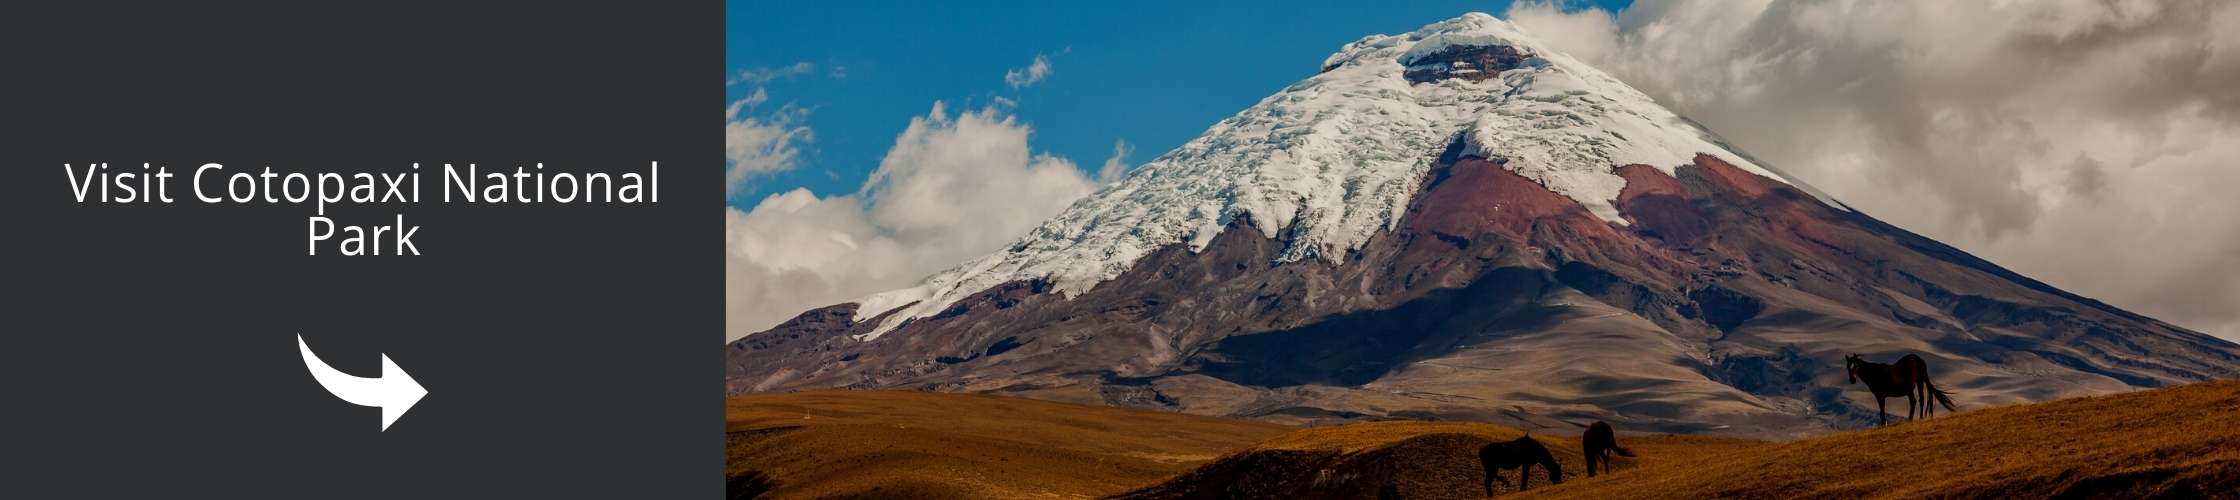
[
  {"x": 2177, "y": 442},
  {"x": 2180, "y": 442},
  {"x": 899, "y": 444},
  {"x": 1403, "y": 459}
]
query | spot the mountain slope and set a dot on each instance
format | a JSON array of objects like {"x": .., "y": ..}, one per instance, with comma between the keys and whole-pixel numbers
[
  {"x": 1459, "y": 223},
  {"x": 1328, "y": 162}
]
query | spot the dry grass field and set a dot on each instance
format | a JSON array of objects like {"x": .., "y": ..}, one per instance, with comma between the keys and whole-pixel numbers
[
  {"x": 898, "y": 444},
  {"x": 2176, "y": 442},
  {"x": 1403, "y": 458},
  {"x": 2179, "y": 442}
]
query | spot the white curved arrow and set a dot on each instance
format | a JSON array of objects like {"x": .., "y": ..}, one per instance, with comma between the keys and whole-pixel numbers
[{"x": 394, "y": 391}]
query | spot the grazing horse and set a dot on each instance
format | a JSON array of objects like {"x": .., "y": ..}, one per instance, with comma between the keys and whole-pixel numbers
[
  {"x": 1909, "y": 377},
  {"x": 1520, "y": 455},
  {"x": 1599, "y": 442}
]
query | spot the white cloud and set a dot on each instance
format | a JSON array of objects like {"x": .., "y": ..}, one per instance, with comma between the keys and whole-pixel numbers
[
  {"x": 1116, "y": 165},
  {"x": 1030, "y": 75},
  {"x": 950, "y": 189},
  {"x": 759, "y": 96},
  {"x": 758, "y": 76},
  {"x": 1587, "y": 35},
  {"x": 757, "y": 145},
  {"x": 2084, "y": 142},
  {"x": 761, "y": 144}
]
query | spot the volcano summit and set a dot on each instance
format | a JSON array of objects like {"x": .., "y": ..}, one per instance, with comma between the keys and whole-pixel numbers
[{"x": 1460, "y": 223}]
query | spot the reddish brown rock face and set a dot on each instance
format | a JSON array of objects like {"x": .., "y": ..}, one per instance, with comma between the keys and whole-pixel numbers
[
  {"x": 1731, "y": 179},
  {"x": 1477, "y": 195},
  {"x": 1659, "y": 206},
  {"x": 1728, "y": 299},
  {"x": 1468, "y": 62}
]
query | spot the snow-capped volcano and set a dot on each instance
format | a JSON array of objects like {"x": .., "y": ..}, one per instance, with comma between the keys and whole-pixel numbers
[
  {"x": 1329, "y": 161},
  {"x": 1456, "y": 222}
]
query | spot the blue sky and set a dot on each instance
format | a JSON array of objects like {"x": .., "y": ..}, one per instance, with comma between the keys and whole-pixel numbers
[{"x": 1153, "y": 74}]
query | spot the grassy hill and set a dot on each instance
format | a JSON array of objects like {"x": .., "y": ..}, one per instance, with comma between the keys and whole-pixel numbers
[{"x": 2181, "y": 442}]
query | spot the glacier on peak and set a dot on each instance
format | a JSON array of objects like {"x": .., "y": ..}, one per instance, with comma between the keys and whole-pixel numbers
[{"x": 1328, "y": 161}]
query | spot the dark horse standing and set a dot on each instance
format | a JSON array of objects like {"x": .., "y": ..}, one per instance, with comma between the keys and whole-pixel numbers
[
  {"x": 1520, "y": 455},
  {"x": 1599, "y": 443},
  {"x": 1909, "y": 377}
]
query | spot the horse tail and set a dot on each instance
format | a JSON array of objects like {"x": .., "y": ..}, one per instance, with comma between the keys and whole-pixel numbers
[
  {"x": 1621, "y": 451},
  {"x": 1944, "y": 398}
]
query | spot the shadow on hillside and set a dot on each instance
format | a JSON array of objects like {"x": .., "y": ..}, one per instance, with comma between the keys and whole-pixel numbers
[{"x": 748, "y": 485}]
